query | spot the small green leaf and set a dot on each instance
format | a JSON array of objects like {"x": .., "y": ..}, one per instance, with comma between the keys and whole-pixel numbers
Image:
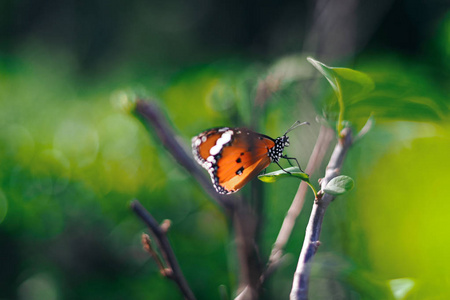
[
  {"x": 293, "y": 172},
  {"x": 339, "y": 185},
  {"x": 274, "y": 176}
]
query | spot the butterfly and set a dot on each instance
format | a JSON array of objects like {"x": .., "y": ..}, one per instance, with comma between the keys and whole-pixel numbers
[{"x": 234, "y": 156}]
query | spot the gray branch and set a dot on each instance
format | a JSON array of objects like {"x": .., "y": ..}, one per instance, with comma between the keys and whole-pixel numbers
[
  {"x": 325, "y": 136},
  {"x": 311, "y": 243}
]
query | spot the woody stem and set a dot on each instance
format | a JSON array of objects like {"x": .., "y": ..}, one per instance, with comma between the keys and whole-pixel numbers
[{"x": 311, "y": 242}]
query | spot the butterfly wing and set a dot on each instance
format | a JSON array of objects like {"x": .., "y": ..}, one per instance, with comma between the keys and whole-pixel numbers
[
  {"x": 236, "y": 168},
  {"x": 232, "y": 156},
  {"x": 202, "y": 144}
]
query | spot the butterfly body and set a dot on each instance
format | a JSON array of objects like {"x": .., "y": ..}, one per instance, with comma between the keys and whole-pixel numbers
[{"x": 233, "y": 156}]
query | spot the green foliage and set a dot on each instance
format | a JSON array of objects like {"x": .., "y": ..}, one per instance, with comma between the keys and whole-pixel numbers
[
  {"x": 348, "y": 86},
  {"x": 339, "y": 185},
  {"x": 387, "y": 96},
  {"x": 70, "y": 161},
  {"x": 288, "y": 172}
]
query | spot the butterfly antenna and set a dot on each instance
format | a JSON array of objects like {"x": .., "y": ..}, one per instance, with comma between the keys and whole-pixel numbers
[{"x": 295, "y": 125}]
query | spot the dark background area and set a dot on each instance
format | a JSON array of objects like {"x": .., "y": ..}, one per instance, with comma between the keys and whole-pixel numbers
[{"x": 183, "y": 33}]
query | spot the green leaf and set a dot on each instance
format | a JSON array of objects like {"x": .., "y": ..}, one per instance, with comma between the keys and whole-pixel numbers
[
  {"x": 348, "y": 85},
  {"x": 388, "y": 94},
  {"x": 274, "y": 176},
  {"x": 339, "y": 185},
  {"x": 401, "y": 97}
]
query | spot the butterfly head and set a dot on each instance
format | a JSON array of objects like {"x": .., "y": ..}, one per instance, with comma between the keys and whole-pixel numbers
[
  {"x": 284, "y": 140},
  {"x": 276, "y": 151}
]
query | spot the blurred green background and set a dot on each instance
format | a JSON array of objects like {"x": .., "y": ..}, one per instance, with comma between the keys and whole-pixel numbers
[{"x": 71, "y": 160}]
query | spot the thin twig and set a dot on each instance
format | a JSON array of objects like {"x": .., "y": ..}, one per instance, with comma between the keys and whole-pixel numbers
[
  {"x": 147, "y": 244},
  {"x": 175, "y": 272},
  {"x": 311, "y": 242}
]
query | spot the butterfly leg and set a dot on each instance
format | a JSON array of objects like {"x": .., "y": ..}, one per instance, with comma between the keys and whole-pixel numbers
[
  {"x": 283, "y": 169},
  {"x": 289, "y": 162},
  {"x": 289, "y": 158}
]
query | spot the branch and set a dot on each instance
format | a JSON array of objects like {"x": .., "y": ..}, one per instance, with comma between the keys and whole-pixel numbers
[
  {"x": 311, "y": 242},
  {"x": 172, "y": 269},
  {"x": 325, "y": 136}
]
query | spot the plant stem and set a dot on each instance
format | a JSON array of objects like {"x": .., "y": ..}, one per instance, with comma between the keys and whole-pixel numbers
[
  {"x": 311, "y": 242},
  {"x": 312, "y": 188},
  {"x": 341, "y": 107},
  {"x": 276, "y": 258}
]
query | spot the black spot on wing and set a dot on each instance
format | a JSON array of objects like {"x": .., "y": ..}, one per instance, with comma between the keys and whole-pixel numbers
[
  {"x": 238, "y": 160},
  {"x": 239, "y": 172}
]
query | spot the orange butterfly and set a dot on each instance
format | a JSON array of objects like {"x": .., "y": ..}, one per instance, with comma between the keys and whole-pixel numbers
[{"x": 233, "y": 156}]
